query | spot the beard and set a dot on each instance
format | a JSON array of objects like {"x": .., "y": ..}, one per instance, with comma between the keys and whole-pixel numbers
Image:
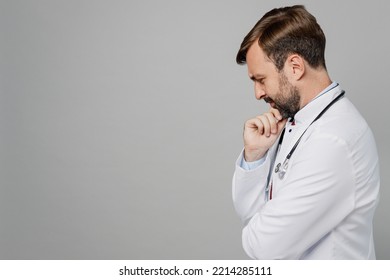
[{"x": 287, "y": 100}]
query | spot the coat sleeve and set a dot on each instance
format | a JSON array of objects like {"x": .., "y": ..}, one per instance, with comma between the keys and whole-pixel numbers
[
  {"x": 249, "y": 188},
  {"x": 316, "y": 195}
]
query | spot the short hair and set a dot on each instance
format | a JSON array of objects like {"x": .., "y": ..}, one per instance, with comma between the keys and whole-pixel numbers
[{"x": 285, "y": 31}]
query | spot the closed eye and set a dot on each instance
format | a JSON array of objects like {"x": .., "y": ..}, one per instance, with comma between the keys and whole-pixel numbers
[
  {"x": 257, "y": 79},
  {"x": 260, "y": 80}
]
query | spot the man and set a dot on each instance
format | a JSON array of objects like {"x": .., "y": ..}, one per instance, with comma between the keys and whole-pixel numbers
[{"x": 306, "y": 184}]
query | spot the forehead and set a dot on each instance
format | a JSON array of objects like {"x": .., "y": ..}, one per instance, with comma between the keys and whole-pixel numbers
[{"x": 257, "y": 61}]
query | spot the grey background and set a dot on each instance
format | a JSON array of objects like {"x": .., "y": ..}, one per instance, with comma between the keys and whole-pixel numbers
[{"x": 120, "y": 121}]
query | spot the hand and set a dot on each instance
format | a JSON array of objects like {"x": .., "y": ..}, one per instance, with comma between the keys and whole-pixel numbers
[{"x": 260, "y": 133}]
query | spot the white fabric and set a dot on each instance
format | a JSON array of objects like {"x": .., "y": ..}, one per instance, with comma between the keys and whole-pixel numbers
[{"x": 323, "y": 207}]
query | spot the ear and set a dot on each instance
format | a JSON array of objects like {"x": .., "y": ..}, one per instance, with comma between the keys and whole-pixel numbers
[{"x": 295, "y": 65}]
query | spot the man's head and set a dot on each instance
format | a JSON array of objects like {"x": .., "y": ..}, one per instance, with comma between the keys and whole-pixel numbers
[
  {"x": 285, "y": 31},
  {"x": 283, "y": 46}
]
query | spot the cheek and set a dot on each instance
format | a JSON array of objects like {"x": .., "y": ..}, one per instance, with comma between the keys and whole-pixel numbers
[{"x": 272, "y": 89}]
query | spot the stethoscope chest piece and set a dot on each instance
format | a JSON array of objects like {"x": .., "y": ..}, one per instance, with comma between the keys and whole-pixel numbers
[
  {"x": 277, "y": 167},
  {"x": 281, "y": 169}
]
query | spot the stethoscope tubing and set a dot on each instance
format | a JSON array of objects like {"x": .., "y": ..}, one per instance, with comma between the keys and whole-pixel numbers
[{"x": 282, "y": 168}]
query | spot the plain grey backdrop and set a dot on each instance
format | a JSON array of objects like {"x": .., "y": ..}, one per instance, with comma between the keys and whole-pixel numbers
[{"x": 120, "y": 121}]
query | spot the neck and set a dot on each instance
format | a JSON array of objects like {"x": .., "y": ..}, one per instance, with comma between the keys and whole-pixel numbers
[{"x": 312, "y": 84}]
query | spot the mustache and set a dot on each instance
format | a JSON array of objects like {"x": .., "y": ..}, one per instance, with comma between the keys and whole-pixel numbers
[{"x": 268, "y": 100}]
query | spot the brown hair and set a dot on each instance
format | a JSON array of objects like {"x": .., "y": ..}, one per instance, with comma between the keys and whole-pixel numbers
[{"x": 285, "y": 31}]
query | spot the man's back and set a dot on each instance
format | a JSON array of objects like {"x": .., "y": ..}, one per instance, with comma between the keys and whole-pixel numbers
[{"x": 352, "y": 238}]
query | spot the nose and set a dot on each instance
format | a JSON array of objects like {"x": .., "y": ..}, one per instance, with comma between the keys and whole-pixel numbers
[{"x": 259, "y": 91}]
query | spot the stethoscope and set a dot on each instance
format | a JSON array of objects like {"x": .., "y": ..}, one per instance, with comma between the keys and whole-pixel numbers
[{"x": 281, "y": 169}]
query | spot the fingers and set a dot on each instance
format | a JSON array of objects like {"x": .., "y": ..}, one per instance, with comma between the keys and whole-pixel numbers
[
  {"x": 266, "y": 124},
  {"x": 254, "y": 125},
  {"x": 269, "y": 123},
  {"x": 260, "y": 133},
  {"x": 276, "y": 113}
]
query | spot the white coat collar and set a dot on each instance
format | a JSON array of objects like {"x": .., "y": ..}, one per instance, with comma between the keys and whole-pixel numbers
[{"x": 309, "y": 112}]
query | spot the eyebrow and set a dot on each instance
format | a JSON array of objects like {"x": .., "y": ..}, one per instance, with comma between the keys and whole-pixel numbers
[{"x": 256, "y": 77}]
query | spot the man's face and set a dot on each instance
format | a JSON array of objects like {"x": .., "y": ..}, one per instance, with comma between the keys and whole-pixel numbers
[{"x": 271, "y": 85}]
